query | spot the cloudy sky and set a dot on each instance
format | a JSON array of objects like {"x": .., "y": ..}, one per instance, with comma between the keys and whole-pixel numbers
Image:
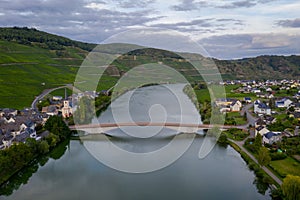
[{"x": 225, "y": 28}]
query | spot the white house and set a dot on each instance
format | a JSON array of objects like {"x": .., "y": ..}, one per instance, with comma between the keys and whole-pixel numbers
[
  {"x": 57, "y": 98},
  {"x": 271, "y": 137},
  {"x": 9, "y": 120},
  {"x": 247, "y": 99},
  {"x": 261, "y": 130},
  {"x": 283, "y": 103},
  {"x": 235, "y": 106},
  {"x": 269, "y": 89},
  {"x": 6, "y": 143},
  {"x": 255, "y": 90},
  {"x": 261, "y": 108},
  {"x": 270, "y": 96},
  {"x": 224, "y": 110}
]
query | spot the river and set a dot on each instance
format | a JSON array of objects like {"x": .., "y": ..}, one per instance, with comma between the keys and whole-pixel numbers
[{"x": 72, "y": 172}]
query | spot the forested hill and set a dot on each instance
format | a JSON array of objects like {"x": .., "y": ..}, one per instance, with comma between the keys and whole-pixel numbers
[
  {"x": 261, "y": 67},
  {"x": 33, "y": 37}
]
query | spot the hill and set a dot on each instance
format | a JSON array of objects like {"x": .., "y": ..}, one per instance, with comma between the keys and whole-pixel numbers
[
  {"x": 33, "y": 37},
  {"x": 261, "y": 67},
  {"x": 32, "y": 60}
]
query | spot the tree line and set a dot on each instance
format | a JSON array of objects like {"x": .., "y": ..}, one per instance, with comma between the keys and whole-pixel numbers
[
  {"x": 19, "y": 155},
  {"x": 30, "y": 36}
]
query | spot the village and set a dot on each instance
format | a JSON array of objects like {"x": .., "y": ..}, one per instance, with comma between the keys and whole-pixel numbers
[
  {"x": 18, "y": 125},
  {"x": 272, "y": 104}
]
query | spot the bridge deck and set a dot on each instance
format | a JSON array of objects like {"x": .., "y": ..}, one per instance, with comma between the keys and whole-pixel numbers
[{"x": 109, "y": 126}]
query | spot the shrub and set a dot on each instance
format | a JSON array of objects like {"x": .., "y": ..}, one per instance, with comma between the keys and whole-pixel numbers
[{"x": 278, "y": 156}]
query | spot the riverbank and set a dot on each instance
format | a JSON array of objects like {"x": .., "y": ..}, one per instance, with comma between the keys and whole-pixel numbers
[
  {"x": 24, "y": 174},
  {"x": 18, "y": 156},
  {"x": 261, "y": 173}
]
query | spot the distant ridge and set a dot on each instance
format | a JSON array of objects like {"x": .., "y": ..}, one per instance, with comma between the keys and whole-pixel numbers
[
  {"x": 261, "y": 67},
  {"x": 32, "y": 36}
]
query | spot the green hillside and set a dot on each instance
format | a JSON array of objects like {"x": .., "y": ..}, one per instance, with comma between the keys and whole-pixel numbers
[
  {"x": 26, "y": 71},
  {"x": 32, "y": 60},
  {"x": 261, "y": 67},
  {"x": 33, "y": 37}
]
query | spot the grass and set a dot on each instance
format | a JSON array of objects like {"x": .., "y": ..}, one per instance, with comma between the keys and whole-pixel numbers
[
  {"x": 253, "y": 166},
  {"x": 61, "y": 92},
  {"x": 286, "y": 166},
  {"x": 281, "y": 117},
  {"x": 240, "y": 96},
  {"x": 202, "y": 95},
  {"x": 234, "y": 114},
  {"x": 24, "y": 69},
  {"x": 236, "y": 134},
  {"x": 239, "y": 120},
  {"x": 285, "y": 93}
]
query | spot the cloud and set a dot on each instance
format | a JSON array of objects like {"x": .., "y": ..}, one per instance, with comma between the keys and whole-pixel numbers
[
  {"x": 134, "y": 3},
  {"x": 76, "y": 19},
  {"x": 96, "y": 20},
  {"x": 239, "y": 4},
  {"x": 188, "y": 5},
  {"x": 293, "y": 23},
  {"x": 96, "y": 6},
  {"x": 250, "y": 45},
  {"x": 244, "y": 4},
  {"x": 207, "y": 25}
]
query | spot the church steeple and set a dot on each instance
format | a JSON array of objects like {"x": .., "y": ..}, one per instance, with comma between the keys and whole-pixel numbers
[{"x": 66, "y": 95}]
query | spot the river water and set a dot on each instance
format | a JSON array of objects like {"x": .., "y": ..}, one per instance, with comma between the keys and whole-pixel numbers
[{"x": 73, "y": 171}]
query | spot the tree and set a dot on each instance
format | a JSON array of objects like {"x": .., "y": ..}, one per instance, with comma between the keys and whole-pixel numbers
[
  {"x": 257, "y": 143},
  {"x": 245, "y": 116},
  {"x": 264, "y": 157},
  {"x": 32, "y": 144},
  {"x": 223, "y": 139},
  {"x": 291, "y": 187},
  {"x": 57, "y": 126},
  {"x": 272, "y": 103},
  {"x": 43, "y": 147},
  {"x": 52, "y": 139}
]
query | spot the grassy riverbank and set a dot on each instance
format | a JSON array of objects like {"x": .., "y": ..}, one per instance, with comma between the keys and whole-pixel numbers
[{"x": 261, "y": 175}]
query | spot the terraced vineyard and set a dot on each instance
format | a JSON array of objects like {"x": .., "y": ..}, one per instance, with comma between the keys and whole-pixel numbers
[{"x": 32, "y": 60}]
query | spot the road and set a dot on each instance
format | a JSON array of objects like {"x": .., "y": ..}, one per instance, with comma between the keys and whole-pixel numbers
[
  {"x": 273, "y": 176},
  {"x": 46, "y": 92},
  {"x": 251, "y": 120}
]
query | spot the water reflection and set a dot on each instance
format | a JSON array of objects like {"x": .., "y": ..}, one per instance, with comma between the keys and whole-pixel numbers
[{"x": 23, "y": 176}]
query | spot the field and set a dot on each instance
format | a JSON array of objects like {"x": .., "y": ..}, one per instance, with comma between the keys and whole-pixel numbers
[
  {"x": 202, "y": 95},
  {"x": 236, "y": 116},
  {"x": 26, "y": 71},
  {"x": 286, "y": 166},
  {"x": 236, "y": 134},
  {"x": 61, "y": 92}
]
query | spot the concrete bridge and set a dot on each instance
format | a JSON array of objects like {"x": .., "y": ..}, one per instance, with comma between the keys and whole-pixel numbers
[{"x": 186, "y": 128}]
